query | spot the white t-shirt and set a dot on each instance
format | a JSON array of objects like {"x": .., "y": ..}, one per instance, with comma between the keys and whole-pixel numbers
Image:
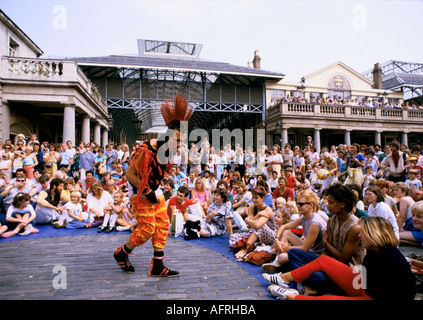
[
  {"x": 276, "y": 157},
  {"x": 76, "y": 209},
  {"x": 384, "y": 211},
  {"x": 415, "y": 182},
  {"x": 29, "y": 208},
  {"x": 99, "y": 204}
]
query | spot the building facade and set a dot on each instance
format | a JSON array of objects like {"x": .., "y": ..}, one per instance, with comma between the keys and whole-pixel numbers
[
  {"x": 337, "y": 105},
  {"x": 51, "y": 98}
]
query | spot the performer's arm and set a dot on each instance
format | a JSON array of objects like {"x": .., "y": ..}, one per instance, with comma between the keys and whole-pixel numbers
[
  {"x": 135, "y": 178},
  {"x": 131, "y": 174}
]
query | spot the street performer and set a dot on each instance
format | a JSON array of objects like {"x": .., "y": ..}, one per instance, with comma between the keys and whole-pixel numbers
[{"x": 145, "y": 173}]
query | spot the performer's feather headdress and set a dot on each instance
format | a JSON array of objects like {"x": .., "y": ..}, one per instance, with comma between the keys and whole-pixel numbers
[{"x": 177, "y": 112}]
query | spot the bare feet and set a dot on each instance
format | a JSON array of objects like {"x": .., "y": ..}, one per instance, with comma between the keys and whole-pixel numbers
[
  {"x": 240, "y": 254},
  {"x": 278, "y": 245}
]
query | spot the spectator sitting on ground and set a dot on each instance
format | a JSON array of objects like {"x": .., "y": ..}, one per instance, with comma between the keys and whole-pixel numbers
[
  {"x": 401, "y": 191},
  {"x": 219, "y": 216},
  {"x": 260, "y": 220},
  {"x": 283, "y": 191},
  {"x": 48, "y": 207},
  {"x": 381, "y": 244},
  {"x": 384, "y": 186},
  {"x": 44, "y": 184},
  {"x": 20, "y": 216},
  {"x": 11, "y": 190},
  {"x": 412, "y": 231},
  {"x": 200, "y": 194},
  {"x": 97, "y": 200},
  {"x": 181, "y": 202},
  {"x": 313, "y": 226}
]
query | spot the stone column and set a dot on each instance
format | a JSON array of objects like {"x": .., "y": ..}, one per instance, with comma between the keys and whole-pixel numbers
[
  {"x": 97, "y": 132},
  {"x": 5, "y": 121},
  {"x": 284, "y": 136},
  {"x": 69, "y": 123},
  {"x": 378, "y": 139},
  {"x": 316, "y": 139},
  {"x": 404, "y": 138},
  {"x": 85, "y": 132},
  {"x": 347, "y": 136},
  {"x": 105, "y": 137}
]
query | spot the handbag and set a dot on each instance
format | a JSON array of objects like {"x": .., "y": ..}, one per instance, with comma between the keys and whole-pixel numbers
[
  {"x": 49, "y": 164},
  {"x": 260, "y": 257},
  {"x": 102, "y": 170},
  {"x": 192, "y": 230}
]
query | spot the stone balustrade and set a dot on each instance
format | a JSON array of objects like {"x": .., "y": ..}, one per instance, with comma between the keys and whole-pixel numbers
[
  {"x": 344, "y": 112},
  {"x": 49, "y": 71}
]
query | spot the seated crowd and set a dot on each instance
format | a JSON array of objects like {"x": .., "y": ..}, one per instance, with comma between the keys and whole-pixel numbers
[{"x": 294, "y": 212}]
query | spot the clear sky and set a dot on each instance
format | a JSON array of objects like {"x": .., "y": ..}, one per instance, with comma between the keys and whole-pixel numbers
[{"x": 296, "y": 38}]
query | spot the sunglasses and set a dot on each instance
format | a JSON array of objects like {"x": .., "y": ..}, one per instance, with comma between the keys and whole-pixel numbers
[
  {"x": 20, "y": 180},
  {"x": 300, "y": 204}
]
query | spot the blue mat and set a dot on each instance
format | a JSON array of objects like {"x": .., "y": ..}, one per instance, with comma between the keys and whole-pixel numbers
[
  {"x": 47, "y": 230},
  {"x": 219, "y": 244}
]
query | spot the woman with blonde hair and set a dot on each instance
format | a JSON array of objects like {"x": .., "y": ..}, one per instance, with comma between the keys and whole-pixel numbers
[
  {"x": 29, "y": 162},
  {"x": 385, "y": 273},
  {"x": 242, "y": 199},
  {"x": 200, "y": 193},
  {"x": 97, "y": 200}
]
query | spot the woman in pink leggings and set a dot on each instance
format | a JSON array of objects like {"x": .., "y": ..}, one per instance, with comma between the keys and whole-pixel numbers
[{"x": 385, "y": 273}]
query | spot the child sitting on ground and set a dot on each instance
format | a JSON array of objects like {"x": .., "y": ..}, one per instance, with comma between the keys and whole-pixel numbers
[
  {"x": 111, "y": 213},
  {"x": 126, "y": 220},
  {"x": 73, "y": 217},
  {"x": 19, "y": 216},
  {"x": 280, "y": 204}
]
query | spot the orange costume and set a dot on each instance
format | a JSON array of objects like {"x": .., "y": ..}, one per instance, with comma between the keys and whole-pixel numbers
[
  {"x": 152, "y": 218},
  {"x": 148, "y": 205}
]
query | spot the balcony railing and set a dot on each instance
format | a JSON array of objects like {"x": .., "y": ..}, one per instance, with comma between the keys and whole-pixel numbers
[
  {"x": 49, "y": 71},
  {"x": 340, "y": 111}
]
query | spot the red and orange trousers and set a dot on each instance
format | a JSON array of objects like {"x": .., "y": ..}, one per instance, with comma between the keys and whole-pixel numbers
[{"x": 153, "y": 222}]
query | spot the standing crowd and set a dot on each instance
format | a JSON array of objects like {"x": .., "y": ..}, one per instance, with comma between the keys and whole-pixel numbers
[{"x": 309, "y": 218}]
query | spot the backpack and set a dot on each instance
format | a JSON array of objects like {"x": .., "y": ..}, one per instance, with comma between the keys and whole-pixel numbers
[{"x": 192, "y": 230}]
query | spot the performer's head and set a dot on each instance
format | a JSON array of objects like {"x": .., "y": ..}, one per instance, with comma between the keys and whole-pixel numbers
[{"x": 176, "y": 117}]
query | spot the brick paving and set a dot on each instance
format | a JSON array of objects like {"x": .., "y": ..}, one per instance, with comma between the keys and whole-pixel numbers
[
  {"x": 35, "y": 269},
  {"x": 83, "y": 268}
]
